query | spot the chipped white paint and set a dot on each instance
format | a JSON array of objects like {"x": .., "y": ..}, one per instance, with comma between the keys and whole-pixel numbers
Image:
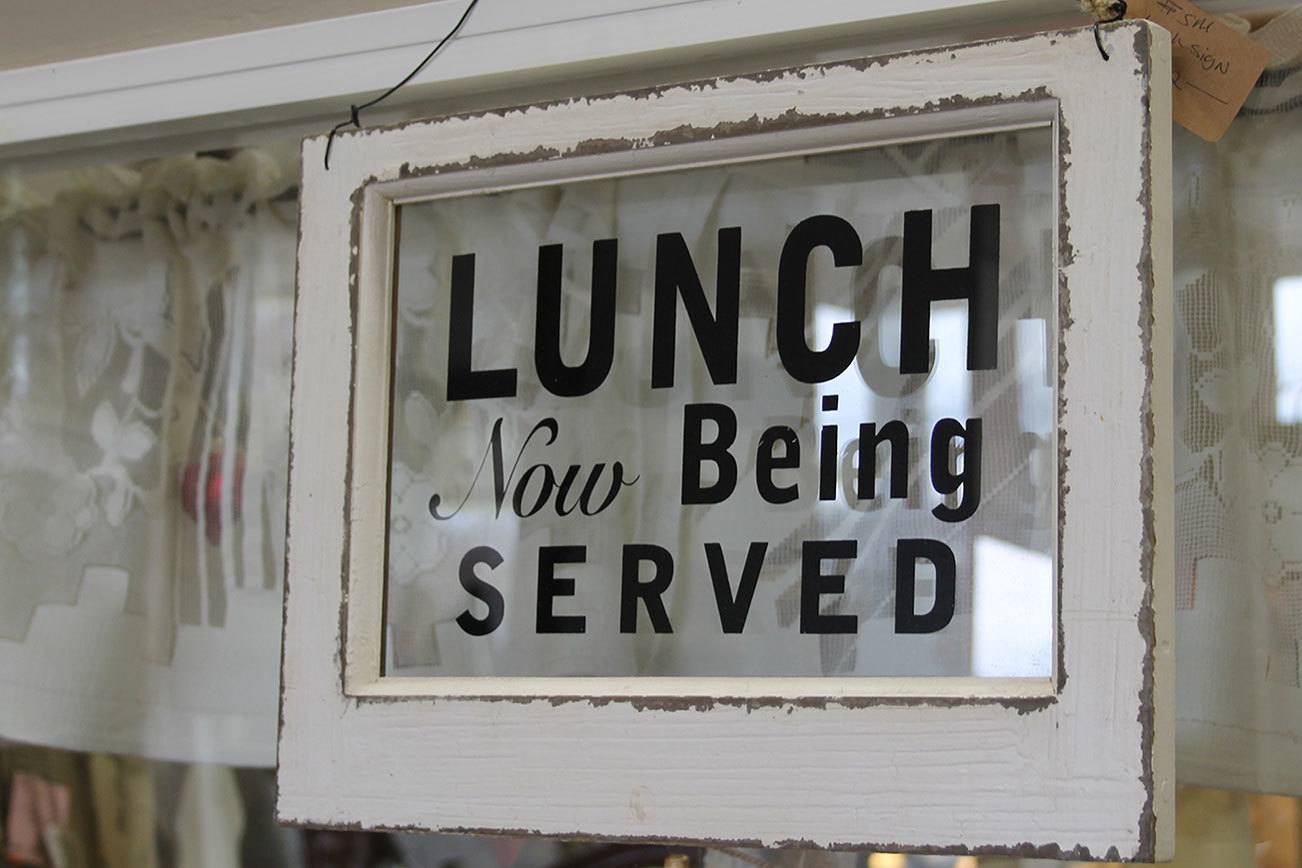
[{"x": 1079, "y": 771}]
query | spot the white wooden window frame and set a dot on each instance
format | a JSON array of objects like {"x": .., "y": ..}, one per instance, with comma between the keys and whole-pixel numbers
[{"x": 1080, "y": 767}]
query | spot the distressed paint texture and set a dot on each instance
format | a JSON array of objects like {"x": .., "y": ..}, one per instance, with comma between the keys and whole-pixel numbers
[{"x": 1086, "y": 776}]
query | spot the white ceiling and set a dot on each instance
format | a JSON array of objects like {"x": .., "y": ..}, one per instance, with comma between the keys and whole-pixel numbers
[{"x": 34, "y": 32}]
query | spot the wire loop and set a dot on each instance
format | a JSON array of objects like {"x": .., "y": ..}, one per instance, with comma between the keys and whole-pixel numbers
[
  {"x": 1118, "y": 10},
  {"x": 354, "y": 111}
]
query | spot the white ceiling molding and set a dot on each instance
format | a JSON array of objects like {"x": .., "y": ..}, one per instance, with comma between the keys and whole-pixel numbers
[
  {"x": 288, "y": 76},
  {"x": 506, "y": 43}
]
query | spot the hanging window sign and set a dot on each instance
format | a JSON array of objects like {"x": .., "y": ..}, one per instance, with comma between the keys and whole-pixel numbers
[{"x": 657, "y": 450}]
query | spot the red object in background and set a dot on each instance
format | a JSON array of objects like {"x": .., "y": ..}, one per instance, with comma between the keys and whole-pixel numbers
[
  {"x": 37, "y": 820},
  {"x": 216, "y": 490}
]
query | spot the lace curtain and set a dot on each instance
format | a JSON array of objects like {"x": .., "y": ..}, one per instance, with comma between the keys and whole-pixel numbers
[
  {"x": 143, "y": 437},
  {"x": 1238, "y": 400}
]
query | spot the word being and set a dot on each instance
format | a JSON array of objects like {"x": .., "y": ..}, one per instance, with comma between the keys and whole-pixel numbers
[
  {"x": 778, "y": 450},
  {"x": 716, "y": 332},
  {"x": 817, "y": 581}
]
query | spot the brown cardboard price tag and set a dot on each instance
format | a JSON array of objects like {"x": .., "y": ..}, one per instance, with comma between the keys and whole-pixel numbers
[{"x": 1213, "y": 67}]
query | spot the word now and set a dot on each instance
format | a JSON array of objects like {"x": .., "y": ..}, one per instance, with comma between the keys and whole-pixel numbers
[
  {"x": 559, "y": 491},
  {"x": 816, "y": 583},
  {"x": 716, "y": 331}
]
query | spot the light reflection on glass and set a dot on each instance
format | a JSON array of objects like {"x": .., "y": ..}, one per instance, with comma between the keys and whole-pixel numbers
[
  {"x": 1288, "y": 350},
  {"x": 1012, "y": 588}
]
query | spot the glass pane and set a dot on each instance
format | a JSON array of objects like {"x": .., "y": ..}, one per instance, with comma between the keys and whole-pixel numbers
[{"x": 710, "y": 502}]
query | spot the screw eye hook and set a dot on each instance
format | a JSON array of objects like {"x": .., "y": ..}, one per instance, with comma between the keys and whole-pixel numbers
[{"x": 1118, "y": 11}]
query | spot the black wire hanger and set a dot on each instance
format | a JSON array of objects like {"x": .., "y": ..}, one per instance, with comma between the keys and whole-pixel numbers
[{"x": 354, "y": 111}]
